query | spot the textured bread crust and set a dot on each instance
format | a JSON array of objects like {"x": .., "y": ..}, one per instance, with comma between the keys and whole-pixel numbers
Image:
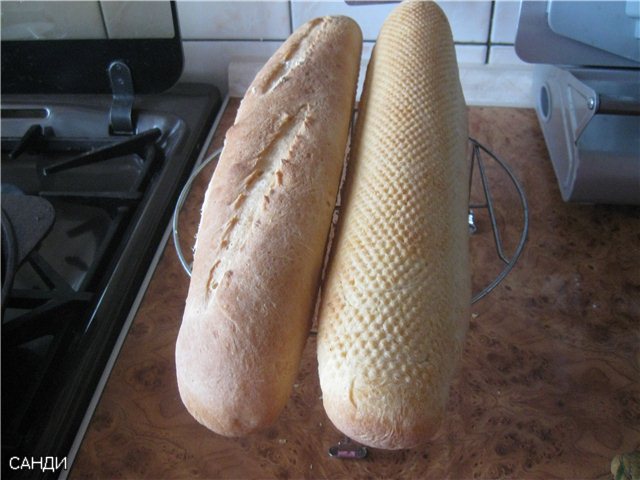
[
  {"x": 263, "y": 230},
  {"x": 396, "y": 299}
]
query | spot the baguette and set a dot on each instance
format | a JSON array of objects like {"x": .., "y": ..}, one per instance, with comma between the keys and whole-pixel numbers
[
  {"x": 264, "y": 226},
  {"x": 396, "y": 298}
]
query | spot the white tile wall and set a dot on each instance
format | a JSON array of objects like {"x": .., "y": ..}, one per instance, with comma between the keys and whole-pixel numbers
[
  {"x": 369, "y": 17},
  {"x": 208, "y": 62},
  {"x": 504, "y": 55},
  {"x": 137, "y": 19},
  {"x": 469, "y": 19},
  {"x": 471, "y": 54},
  {"x": 367, "y": 48},
  {"x": 505, "y": 21},
  {"x": 86, "y": 20},
  {"x": 497, "y": 85},
  {"x": 234, "y": 20},
  {"x": 217, "y": 34},
  {"x": 51, "y": 20},
  {"x": 474, "y": 29}
]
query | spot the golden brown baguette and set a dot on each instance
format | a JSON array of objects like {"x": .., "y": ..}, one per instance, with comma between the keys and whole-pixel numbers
[
  {"x": 395, "y": 302},
  {"x": 263, "y": 230}
]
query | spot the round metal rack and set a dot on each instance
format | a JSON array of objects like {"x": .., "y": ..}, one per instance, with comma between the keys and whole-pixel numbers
[
  {"x": 479, "y": 153},
  {"x": 346, "y": 448},
  {"x": 479, "y": 156},
  {"x": 181, "y": 199}
]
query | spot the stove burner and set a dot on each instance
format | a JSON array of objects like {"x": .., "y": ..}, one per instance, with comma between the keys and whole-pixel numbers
[
  {"x": 59, "y": 266},
  {"x": 25, "y": 222},
  {"x": 9, "y": 256},
  {"x": 131, "y": 144},
  {"x": 72, "y": 294},
  {"x": 32, "y": 136}
]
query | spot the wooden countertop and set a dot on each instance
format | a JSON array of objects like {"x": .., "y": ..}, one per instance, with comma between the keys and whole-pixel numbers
[{"x": 550, "y": 381}]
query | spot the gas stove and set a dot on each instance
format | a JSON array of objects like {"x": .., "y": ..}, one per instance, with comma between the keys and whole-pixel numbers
[{"x": 84, "y": 209}]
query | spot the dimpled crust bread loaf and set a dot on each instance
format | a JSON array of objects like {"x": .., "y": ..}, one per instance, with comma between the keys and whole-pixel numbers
[
  {"x": 395, "y": 303},
  {"x": 264, "y": 226}
]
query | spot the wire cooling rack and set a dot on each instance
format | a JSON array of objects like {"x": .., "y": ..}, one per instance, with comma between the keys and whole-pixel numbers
[
  {"x": 479, "y": 157},
  {"x": 481, "y": 160}
]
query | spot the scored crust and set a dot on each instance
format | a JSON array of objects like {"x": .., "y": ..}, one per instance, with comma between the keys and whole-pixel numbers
[{"x": 264, "y": 225}]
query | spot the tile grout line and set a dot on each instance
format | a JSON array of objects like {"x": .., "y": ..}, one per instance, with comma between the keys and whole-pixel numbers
[
  {"x": 104, "y": 21},
  {"x": 490, "y": 31},
  {"x": 290, "y": 17}
]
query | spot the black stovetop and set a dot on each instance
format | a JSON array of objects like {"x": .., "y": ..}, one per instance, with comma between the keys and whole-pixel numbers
[{"x": 111, "y": 197}]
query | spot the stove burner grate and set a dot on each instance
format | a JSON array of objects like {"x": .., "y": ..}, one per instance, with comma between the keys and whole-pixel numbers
[{"x": 95, "y": 193}]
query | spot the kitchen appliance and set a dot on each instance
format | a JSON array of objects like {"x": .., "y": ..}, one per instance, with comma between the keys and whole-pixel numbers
[
  {"x": 587, "y": 90},
  {"x": 90, "y": 173}
]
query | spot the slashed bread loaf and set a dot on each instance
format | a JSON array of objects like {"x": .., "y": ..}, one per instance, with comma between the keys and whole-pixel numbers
[
  {"x": 264, "y": 225},
  {"x": 396, "y": 299}
]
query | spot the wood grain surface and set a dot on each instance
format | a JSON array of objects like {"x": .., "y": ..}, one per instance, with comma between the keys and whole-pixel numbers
[{"x": 550, "y": 381}]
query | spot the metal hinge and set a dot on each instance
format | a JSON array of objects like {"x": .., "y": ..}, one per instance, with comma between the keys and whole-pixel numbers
[{"x": 120, "y": 117}]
